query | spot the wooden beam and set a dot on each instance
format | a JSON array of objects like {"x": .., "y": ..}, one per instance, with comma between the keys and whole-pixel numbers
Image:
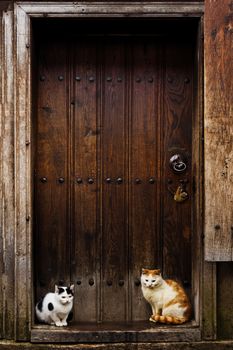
[
  {"x": 218, "y": 130},
  {"x": 115, "y": 9},
  {"x": 23, "y": 176},
  {"x": 7, "y": 177}
]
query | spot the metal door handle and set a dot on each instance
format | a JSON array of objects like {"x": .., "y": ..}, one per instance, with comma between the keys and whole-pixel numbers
[{"x": 178, "y": 163}]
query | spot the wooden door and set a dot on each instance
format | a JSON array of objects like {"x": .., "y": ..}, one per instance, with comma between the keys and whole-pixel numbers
[{"x": 110, "y": 113}]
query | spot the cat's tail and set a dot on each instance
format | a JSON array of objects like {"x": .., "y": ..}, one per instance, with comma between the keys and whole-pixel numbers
[{"x": 168, "y": 319}]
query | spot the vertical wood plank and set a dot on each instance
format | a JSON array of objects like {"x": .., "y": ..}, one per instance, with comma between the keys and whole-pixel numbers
[
  {"x": 144, "y": 235},
  {"x": 224, "y": 300},
  {"x": 51, "y": 196},
  {"x": 114, "y": 206},
  {"x": 177, "y": 132},
  {"x": 198, "y": 175},
  {"x": 218, "y": 130},
  {"x": 7, "y": 177},
  {"x": 23, "y": 214},
  {"x": 209, "y": 300},
  {"x": 84, "y": 254}
]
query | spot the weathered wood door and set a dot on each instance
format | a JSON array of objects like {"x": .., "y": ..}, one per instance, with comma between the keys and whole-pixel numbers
[{"x": 110, "y": 113}]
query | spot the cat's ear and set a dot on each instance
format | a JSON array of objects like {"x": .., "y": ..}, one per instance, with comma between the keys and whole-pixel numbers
[
  {"x": 56, "y": 289},
  {"x": 158, "y": 272},
  {"x": 144, "y": 271},
  {"x": 72, "y": 287}
]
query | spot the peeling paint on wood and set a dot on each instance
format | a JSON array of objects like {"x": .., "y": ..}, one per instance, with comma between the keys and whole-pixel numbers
[{"x": 218, "y": 130}]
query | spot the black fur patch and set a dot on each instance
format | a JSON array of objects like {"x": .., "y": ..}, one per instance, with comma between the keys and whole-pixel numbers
[
  {"x": 50, "y": 306},
  {"x": 60, "y": 290},
  {"x": 40, "y": 305},
  {"x": 69, "y": 291}
]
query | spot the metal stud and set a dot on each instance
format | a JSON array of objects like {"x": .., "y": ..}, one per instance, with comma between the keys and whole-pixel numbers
[
  {"x": 186, "y": 283},
  {"x": 79, "y": 180},
  {"x": 170, "y": 80},
  {"x": 109, "y": 282},
  {"x": 91, "y": 282},
  {"x": 91, "y": 79},
  {"x": 184, "y": 181},
  {"x": 138, "y": 79},
  {"x": 108, "y": 180},
  {"x": 151, "y": 180},
  {"x": 138, "y": 181},
  {"x": 61, "y": 180},
  {"x": 77, "y": 78},
  {"x": 42, "y": 78},
  {"x": 78, "y": 282},
  {"x": 109, "y": 79},
  {"x": 90, "y": 180},
  {"x": 137, "y": 282},
  {"x": 150, "y": 80},
  {"x": 43, "y": 179},
  {"x": 217, "y": 227},
  {"x": 187, "y": 80},
  {"x": 119, "y": 79},
  {"x": 121, "y": 283},
  {"x": 60, "y": 77},
  {"x": 119, "y": 180}
]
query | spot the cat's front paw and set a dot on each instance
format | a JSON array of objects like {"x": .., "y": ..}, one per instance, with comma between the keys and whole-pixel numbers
[
  {"x": 59, "y": 324},
  {"x": 64, "y": 323}
]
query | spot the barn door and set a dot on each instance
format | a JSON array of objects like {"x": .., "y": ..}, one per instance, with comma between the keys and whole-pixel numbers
[{"x": 113, "y": 133}]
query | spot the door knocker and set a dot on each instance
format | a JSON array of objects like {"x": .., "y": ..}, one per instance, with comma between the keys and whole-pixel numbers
[{"x": 178, "y": 163}]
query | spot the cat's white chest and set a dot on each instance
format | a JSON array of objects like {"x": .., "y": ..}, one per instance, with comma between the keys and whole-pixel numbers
[{"x": 158, "y": 296}]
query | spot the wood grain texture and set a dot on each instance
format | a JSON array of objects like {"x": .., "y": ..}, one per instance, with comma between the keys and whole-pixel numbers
[
  {"x": 109, "y": 332},
  {"x": 51, "y": 162},
  {"x": 224, "y": 300},
  {"x": 103, "y": 123},
  {"x": 143, "y": 147},
  {"x": 22, "y": 172},
  {"x": 218, "y": 130},
  {"x": 84, "y": 233},
  {"x": 93, "y": 9},
  {"x": 177, "y": 136},
  {"x": 201, "y": 345},
  {"x": 209, "y": 301},
  {"x": 7, "y": 180},
  {"x": 114, "y": 159},
  {"x": 23, "y": 260}
]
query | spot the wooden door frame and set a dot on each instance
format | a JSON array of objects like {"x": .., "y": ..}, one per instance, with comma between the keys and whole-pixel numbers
[{"x": 17, "y": 119}]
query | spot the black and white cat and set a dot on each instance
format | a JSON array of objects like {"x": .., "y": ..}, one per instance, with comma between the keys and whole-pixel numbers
[{"x": 55, "y": 308}]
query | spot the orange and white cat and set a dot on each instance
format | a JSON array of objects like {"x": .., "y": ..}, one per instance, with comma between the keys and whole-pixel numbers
[{"x": 167, "y": 298}]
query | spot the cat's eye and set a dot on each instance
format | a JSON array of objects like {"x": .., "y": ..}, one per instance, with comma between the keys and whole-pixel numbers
[
  {"x": 63, "y": 297},
  {"x": 146, "y": 280},
  {"x": 153, "y": 281}
]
